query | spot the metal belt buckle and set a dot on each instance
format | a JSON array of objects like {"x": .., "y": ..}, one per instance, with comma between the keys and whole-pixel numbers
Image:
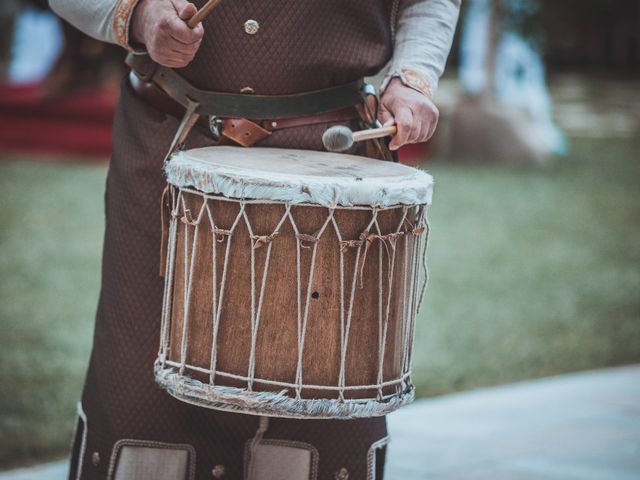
[
  {"x": 215, "y": 126},
  {"x": 369, "y": 89}
]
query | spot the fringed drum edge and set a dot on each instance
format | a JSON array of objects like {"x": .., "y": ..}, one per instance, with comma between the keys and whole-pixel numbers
[{"x": 274, "y": 404}]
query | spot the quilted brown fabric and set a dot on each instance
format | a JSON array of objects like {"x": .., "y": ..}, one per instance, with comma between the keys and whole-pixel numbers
[{"x": 300, "y": 45}]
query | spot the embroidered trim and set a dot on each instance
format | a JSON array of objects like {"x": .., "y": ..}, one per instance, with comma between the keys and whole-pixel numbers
[
  {"x": 416, "y": 81},
  {"x": 126, "y": 442},
  {"x": 122, "y": 20},
  {"x": 284, "y": 443},
  {"x": 371, "y": 456},
  {"x": 83, "y": 443},
  {"x": 411, "y": 79}
]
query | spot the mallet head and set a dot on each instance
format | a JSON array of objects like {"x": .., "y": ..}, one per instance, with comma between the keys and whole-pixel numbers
[{"x": 337, "y": 139}]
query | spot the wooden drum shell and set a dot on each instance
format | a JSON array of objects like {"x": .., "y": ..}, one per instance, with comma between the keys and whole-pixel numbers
[{"x": 233, "y": 333}]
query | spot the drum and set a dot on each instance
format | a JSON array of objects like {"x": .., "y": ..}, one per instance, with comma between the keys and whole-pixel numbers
[{"x": 291, "y": 281}]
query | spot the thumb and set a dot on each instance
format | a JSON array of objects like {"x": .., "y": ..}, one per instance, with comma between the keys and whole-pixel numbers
[
  {"x": 188, "y": 11},
  {"x": 184, "y": 9}
]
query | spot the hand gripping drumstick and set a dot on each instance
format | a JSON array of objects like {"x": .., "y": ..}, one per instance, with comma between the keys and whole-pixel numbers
[
  {"x": 203, "y": 12},
  {"x": 340, "y": 138}
]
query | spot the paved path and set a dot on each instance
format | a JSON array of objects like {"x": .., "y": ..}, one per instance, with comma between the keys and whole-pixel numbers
[{"x": 583, "y": 426}]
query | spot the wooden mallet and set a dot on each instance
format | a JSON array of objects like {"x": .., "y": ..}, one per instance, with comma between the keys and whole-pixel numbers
[
  {"x": 203, "y": 12},
  {"x": 341, "y": 138}
]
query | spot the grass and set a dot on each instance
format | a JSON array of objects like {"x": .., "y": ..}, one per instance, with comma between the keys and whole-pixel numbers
[
  {"x": 533, "y": 273},
  {"x": 50, "y": 242}
]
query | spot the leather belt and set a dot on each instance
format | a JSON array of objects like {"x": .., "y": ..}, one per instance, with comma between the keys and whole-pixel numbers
[
  {"x": 240, "y": 130},
  {"x": 257, "y": 107}
]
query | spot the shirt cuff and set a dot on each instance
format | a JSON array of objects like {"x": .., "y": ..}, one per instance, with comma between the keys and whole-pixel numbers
[
  {"x": 411, "y": 79},
  {"x": 121, "y": 23}
]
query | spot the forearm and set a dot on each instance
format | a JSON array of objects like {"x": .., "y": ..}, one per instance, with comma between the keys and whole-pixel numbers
[
  {"x": 106, "y": 20},
  {"x": 424, "y": 34}
]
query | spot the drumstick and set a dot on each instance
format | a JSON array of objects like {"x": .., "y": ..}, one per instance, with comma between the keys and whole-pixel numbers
[
  {"x": 203, "y": 12},
  {"x": 341, "y": 138}
]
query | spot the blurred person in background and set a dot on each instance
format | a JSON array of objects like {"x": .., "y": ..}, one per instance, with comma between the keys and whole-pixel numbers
[
  {"x": 265, "y": 48},
  {"x": 37, "y": 49}
]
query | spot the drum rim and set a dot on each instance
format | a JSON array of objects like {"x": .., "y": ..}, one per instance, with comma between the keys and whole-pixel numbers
[
  {"x": 274, "y": 404},
  {"x": 413, "y": 187}
]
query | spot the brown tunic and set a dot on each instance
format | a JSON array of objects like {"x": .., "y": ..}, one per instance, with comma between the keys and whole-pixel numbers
[{"x": 299, "y": 46}]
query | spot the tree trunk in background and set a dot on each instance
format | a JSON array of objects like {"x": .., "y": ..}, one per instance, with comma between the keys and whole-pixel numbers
[{"x": 8, "y": 11}]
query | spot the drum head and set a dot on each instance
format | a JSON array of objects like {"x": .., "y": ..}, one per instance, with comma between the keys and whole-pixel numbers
[{"x": 298, "y": 176}]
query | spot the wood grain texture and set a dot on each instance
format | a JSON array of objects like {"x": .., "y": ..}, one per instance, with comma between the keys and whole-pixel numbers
[{"x": 276, "y": 343}]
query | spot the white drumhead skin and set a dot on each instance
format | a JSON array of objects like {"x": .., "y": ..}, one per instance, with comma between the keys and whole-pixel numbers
[{"x": 299, "y": 176}]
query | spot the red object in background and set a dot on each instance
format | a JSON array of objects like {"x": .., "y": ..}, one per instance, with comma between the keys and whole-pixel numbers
[
  {"x": 414, "y": 154},
  {"x": 77, "y": 122}
]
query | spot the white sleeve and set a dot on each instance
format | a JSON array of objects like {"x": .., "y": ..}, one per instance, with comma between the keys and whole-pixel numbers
[
  {"x": 106, "y": 20},
  {"x": 424, "y": 34}
]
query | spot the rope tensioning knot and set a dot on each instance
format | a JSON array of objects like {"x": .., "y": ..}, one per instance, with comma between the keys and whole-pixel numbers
[
  {"x": 367, "y": 238},
  {"x": 419, "y": 230},
  {"x": 187, "y": 218},
  {"x": 220, "y": 234},
  {"x": 260, "y": 240},
  {"x": 304, "y": 237},
  {"x": 347, "y": 244}
]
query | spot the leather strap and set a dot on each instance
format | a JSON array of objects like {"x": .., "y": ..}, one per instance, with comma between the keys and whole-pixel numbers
[
  {"x": 258, "y": 107},
  {"x": 342, "y": 115},
  {"x": 242, "y": 131}
]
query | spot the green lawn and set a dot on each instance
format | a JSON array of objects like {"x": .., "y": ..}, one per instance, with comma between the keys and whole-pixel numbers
[
  {"x": 50, "y": 242},
  {"x": 533, "y": 272}
]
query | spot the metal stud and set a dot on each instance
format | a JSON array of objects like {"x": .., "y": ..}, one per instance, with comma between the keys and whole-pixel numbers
[
  {"x": 342, "y": 474},
  {"x": 95, "y": 458},
  {"x": 251, "y": 27},
  {"x": 218, "y": 471}
]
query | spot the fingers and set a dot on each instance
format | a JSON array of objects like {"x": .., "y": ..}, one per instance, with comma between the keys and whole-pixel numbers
[
  {"x": 428, "y": 113},
  {"x": 176, "y": 25},
  {"x": 415, "y": 114},
  {"x": 404, "y": 121},
  {"x": 179, "y": 5},
  {"x": 172, "y": 57},
  {"x": 171, "y": 53},
  {"x": 180, "y": 31},
  {"x": 188, "y": 11},
  {"x": 182, "y": 44},
  {"x": 434, "y": 115},
  {"x": 417, "y": 131},
  {"x": 172, "y": 43}
]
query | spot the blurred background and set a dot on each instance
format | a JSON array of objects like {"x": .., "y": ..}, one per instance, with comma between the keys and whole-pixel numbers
[{"x": 535, "y": 251}]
